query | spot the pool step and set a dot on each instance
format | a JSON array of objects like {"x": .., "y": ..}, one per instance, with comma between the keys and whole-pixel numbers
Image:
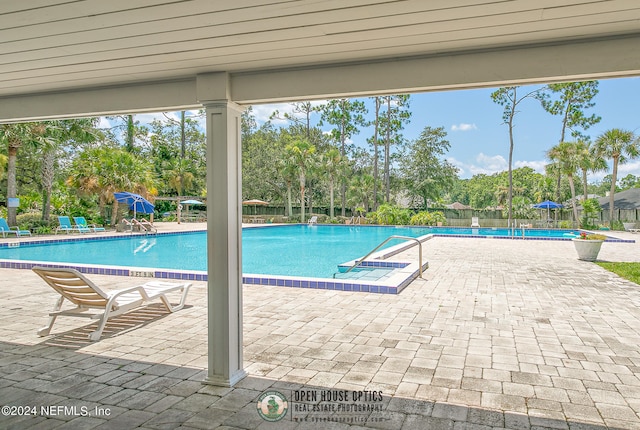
[{"x": 366, "y": 273}]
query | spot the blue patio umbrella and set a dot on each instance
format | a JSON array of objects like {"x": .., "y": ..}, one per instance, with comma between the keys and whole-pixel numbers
[
  {"x": 136, "y": 202},
  {"x": 548, "y": 204}
]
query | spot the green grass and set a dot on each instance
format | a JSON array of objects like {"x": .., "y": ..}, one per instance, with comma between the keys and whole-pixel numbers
[{"x": 630, "y": 271}]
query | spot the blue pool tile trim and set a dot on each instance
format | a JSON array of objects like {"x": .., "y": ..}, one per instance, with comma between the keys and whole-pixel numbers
[
  {"x": 402, "y": 279},
  {"x": 280, "y": 281}
]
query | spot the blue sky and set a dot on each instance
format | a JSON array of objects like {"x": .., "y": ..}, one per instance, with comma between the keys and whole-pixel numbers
[{"x": 479, "y": 140}]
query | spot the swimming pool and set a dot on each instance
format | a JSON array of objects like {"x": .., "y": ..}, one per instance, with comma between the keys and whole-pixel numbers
[
  {"x": 293, "y": 250},
  {"x": 290, "y": 255}
]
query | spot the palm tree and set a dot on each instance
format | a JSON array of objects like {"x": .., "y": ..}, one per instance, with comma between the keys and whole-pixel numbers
[
  {"x": 589, "y": 161},
  {"x": 15, "y": 135},
  {"x": 617, "y": 145},
  {"x": 332, "y": 163},
  {"x": 301, "y": 152},
  {"x": 544, "y": 189},
  {"x": 360, "y": 191},
  {"x": 105, "y": 170},
  {"x": 57, "y": 134},
  {"x": 287, "y": 168},
  {"x": 567, "y": 155},
  {"x": 178, "y": 175}
]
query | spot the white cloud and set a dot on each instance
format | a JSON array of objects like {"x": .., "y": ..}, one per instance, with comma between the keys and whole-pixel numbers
[
  {"x": 104, "y": 123},
  {"x": 629, "y": 167},
  {"x": 483, "y": 164},
  {"x": 264, "y": 112},
  {"x": 538, "y": 165},
  {"x": 463, "y": 127},
  {"x": 489, "y": 163}
]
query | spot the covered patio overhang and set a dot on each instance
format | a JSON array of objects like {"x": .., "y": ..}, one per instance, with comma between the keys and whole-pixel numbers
[{"x": 49, "y": 71}]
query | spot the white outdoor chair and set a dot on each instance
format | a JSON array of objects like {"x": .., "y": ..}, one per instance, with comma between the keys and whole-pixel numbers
[{"x": 75, "y": 287}]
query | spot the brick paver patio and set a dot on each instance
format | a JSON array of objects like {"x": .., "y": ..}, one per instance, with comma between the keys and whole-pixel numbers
[{"x": 499, "y": 334}]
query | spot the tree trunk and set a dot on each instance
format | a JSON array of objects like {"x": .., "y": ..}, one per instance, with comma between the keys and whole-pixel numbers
[
  {"x": 289, "y": 205},
  {"x": 343, "y": 184},
  {"x": 48, "y": 160},
  {"x": 612, "y": 193},
  {"x": 183, "y": 148},
  {"x": 375, "y": 156},
  {"x": 510, "y": 195},
  {"x": 310, "y": 197},
  {"x": 387, "y": 153},
  {"x": 331, "y": 213},
  {"x": 573, "y": 197},
  {"x": 114, "y": 214},
  {"x": 302, "y": 202},
  {"x": 130, "y": 134},
  {"x": 12, "y": 188},
  {"x": 584, "y": 184}
]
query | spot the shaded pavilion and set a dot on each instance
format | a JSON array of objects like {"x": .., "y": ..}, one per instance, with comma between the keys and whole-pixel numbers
[{"x": 140, "y": 56}]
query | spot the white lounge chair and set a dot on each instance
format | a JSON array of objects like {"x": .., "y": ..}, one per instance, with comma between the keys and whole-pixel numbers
[
  {"x": 75, "y": 287},
  {"x": 474, "y": 222},
  {"x": 313, "y": 220}
]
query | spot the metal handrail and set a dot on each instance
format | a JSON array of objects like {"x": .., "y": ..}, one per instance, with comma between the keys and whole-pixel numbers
[{"x": 358, "y": 262}]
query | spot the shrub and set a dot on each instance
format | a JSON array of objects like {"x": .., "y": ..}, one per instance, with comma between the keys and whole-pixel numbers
[
  {"x": 438, "y": 216},
  {"x": 422, "y": 218},
  {"x": 617, "y": 225},
  {"x": 428, "y": 218},
  {"x": 590, "y": 212},
  {"x": 390, "y": 215},
  {"x": 565, "y": 224},
  {"x": 33, "y": 221}
]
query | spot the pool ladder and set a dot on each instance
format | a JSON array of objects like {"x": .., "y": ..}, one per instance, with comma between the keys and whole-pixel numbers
[{"x": 358, "y": 262}]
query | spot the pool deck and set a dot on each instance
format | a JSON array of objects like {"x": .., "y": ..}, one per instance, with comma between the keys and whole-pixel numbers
[{"x": 499, "y": 334}]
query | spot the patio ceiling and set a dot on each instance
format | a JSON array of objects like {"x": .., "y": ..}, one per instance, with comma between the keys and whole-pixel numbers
[{"x": 293, "y": 49}]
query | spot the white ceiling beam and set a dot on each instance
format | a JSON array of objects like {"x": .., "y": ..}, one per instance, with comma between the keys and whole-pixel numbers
[
  {"x": 134, "y": 98},
  {"x": 597, "y": 59}
]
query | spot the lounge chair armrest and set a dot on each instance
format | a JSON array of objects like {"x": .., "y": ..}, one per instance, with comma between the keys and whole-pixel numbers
[{"x": 137, "y": 288}]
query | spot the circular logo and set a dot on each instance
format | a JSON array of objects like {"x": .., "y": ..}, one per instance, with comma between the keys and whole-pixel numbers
[{"x": 272, "y": 406}]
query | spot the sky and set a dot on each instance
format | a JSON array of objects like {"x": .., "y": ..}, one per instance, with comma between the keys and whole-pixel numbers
[{"x": 479, "y": 139}]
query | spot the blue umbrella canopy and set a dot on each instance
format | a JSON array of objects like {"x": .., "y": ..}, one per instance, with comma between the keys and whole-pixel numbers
[
  {"x": 136, "y": 202},
  {"x": 191, "y": 202},
  {"x": 548, "y": 204}
]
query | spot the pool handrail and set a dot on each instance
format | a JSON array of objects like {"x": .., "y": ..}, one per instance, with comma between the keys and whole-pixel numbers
[{"x": 358, "y": 262}]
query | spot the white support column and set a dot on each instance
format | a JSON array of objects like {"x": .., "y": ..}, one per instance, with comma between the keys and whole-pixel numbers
[{"x": 224, "y": 243}]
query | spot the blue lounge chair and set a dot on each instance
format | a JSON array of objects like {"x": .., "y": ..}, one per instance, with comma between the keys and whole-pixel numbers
[
  {"x": 5, "y": 229},
  {"x": 65, "y": 225},
  {"x": 82, "y": 222}
]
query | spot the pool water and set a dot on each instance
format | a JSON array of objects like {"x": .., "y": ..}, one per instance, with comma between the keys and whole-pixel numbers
[{"x": 295, "y": 250}]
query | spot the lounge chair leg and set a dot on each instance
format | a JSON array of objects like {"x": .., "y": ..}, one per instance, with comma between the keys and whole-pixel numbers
[
  {"x": 47, "y": 329},
  {"x": 183, "y": 299},
  {"x": 96, "y": 335}
]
